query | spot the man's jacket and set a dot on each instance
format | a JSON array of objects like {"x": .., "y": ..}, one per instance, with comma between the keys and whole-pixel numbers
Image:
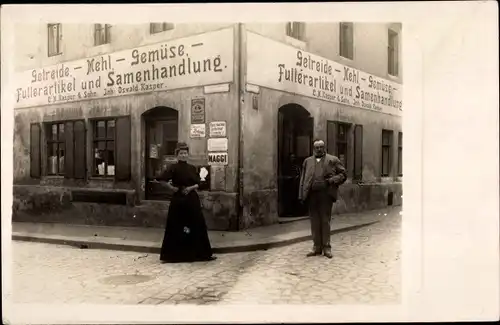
[{"x": 333, "y": 173}]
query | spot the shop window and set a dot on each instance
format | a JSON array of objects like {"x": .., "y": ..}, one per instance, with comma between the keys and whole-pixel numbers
[
  {"x": 337, "y": 140},
  {"x": 111, "y": 154},
  {"x": 386, "y": 152},
  {"x": 347, "y": 40},
  {"x": 393, "y": 53},
  {"x": 56, "y": 148},
  {"x": 400, "y": 154},
  {"x": 54, "y": 36},
  {"x": 65, "y": 148},
  {"x": 155, "y": 28},
  {"x": 358, "y": 153},
  {"x": 296, "y": 30},
  {"x": 102, "y": 34}
]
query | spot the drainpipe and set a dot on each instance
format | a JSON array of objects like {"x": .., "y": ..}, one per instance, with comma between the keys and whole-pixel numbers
[{"x": 241, "y": 93}]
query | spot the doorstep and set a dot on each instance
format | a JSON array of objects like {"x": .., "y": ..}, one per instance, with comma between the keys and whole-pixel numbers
[{"x": 148, "y": 240}]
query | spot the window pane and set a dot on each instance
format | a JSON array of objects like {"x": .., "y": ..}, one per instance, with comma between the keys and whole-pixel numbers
[
  {"x": 110, "y": 148},
  {"x": 101, "y": 129},
  {"x": 110, "y": 157},
  {"x": 99, "y": 157},
  {"x": 385, "y": 161},
  {"x": 155, "y": 28},
  {"x": 342, "y": 153},
  {"x": 53, "y": 132},
  {"x": 61, "y": 132},
  {"x": 101, "y": 145},
  {"x": 170, "y": 130},
  {"x": 341, "y": 132},
  {"x": 400, "y": 161},
  {"x": 61, "y": 158},
  {"x": 386, "y": 138},
  {"x": 53, "y": 159},
  {"x": 52, "y": 38},
  {"x": 108, "y": 33},
  {"x": 110, "y": 133},
  {"x": 170, "y": 147}
]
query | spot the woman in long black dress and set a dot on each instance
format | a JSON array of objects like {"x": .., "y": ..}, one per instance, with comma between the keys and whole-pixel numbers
[{"x": 186, "y": 236}]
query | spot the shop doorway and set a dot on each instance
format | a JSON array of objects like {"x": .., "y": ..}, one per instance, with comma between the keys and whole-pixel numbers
[
  {"x": 161, "y": 126},
  {"x": 295, "y": 136}
]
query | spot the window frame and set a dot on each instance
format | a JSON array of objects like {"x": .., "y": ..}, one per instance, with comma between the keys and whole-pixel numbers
[
  {"x": 298, "y": 32},
  {"x": 106, "y": 140},
  {"x": 346, "y": 46},
  {"x": 392, "y": 52},
  {"x": 49, "y": 142},
  {"x": 164, "y": 26},
  {"x": 57, "y": 40},
  {"x": 400, "y": 154},
  {"x": 389, "y": 149},
  {"x": 100, "y": 37}
]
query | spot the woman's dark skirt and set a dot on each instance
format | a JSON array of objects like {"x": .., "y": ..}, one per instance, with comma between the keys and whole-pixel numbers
[{"x": 186, "y": 236}]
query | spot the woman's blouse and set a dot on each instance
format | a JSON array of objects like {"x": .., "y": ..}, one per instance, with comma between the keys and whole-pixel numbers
[{"x": 181, "y": 174}]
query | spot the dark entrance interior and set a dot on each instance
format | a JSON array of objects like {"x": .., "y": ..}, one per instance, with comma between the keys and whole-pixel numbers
[
  {"x": 295, "y": 136},
  {"x": 161, "y": 139}
]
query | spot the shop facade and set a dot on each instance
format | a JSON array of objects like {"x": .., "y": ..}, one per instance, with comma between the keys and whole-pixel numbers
[{"x": 91, "y": 134}]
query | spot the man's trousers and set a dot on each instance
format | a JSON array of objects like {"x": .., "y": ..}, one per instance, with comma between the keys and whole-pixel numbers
[{"x": 320, "y": 211}]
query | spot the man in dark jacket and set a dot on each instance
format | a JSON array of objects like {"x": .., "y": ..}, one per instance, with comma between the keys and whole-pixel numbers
[{"x": 322, "y": 174}]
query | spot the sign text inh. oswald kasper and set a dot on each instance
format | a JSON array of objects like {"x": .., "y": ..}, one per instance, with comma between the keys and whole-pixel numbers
[{"x": 193, "y": 61}]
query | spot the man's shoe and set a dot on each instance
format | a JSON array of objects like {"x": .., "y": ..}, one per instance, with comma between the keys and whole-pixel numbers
[
  {"x": 313, "y": 253},
  {"x": 328, "y": 254}
]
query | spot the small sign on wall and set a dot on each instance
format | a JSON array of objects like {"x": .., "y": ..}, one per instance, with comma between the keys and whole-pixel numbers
[
  {"x": 218, "y": 129},
  {"x": 198, "y": 111},
  {"x": 217, "y": 158},
  {"x": 153, "y": 151},
  {"x": 218, "y": 178},
  {"x": 204, "y": 172},
  {"x": 198, "y": 131},
  {"x": 217, "y": 144}
]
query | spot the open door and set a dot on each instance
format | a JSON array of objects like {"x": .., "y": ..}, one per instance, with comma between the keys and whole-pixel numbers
[
  {"x": 295, "y": 136},
  {"x": 161, "y": 140}
]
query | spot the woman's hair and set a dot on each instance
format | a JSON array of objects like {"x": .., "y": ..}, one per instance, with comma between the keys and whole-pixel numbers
[{"x": 181, "y": 146}]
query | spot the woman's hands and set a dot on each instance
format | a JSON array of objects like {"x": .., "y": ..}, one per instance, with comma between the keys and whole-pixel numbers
[{"x": 187, "y": 189}]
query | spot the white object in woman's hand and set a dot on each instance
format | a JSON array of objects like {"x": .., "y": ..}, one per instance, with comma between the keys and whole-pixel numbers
[{"x": 186, "y": 190}]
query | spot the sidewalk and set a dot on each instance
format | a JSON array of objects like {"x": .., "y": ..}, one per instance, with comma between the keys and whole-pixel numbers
[{"x": 148, "y": 240}]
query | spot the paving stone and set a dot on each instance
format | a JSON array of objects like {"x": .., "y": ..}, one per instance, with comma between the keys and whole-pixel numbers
[{"x": 366, "y": 268}]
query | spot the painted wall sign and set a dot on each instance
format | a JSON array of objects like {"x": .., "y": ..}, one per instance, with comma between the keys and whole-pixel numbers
[
  {"x": 199, "y": 60},
  {"x": 217, "y": 158},
  {"x": 218, "y": 129},
  {"x": 296, "y": 71},
  {"x": 197, "y": 131},
  {"x": 198, "y": 110},
  {"x": 217, "y": 144}
]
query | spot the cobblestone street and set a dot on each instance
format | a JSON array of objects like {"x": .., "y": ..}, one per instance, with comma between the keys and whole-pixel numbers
[{"x": 365, "y": 268}]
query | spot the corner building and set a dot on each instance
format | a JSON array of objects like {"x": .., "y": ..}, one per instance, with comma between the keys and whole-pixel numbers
[{"x": 100, "y": 108}]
